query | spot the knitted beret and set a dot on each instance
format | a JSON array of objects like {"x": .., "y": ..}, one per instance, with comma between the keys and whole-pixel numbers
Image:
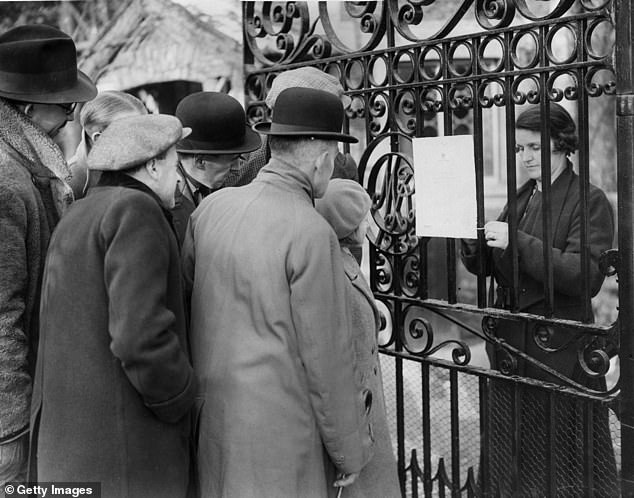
[
  {"x": 306, "y": 77},
  {"x": 131, "y": 141},
  {"x": 344, "y": 206}
]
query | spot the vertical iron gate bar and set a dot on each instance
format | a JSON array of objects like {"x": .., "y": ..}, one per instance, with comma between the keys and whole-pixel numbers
[
  {"x": 480, "y": 215},
  {"x": 551, "y": 479},
  {"x": 400, "y": 404},
  {"x": 584, "y": 175},
  {"x": 455, "y": 434},
  {"x": 427, "y": 482},
  {"x": 452, "y": 297},
  {"x": 588, "y": 460},
  {"x": 450, "y": 244},
  {"x": 547, "y": 235},
  {"x": 441, "y": 488},
  {"x": 511, "y": 177},
  {"x": 625, "y": 185},
  {"x": 516, "y": 411},
  {"x": 484, "y": 435},
  {"x": 422, "y": 267}
]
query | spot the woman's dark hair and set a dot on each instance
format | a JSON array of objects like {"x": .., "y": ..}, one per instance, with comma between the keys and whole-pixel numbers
[{"x": 563, "y": 130}]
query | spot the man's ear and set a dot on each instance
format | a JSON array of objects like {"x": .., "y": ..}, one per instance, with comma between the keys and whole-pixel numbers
[
  {"x": 95, "y": 136},
  {"x": 151, "y": 168},
  {"x": 321, "y": 161},
  {"x": 28, "y": 110}
]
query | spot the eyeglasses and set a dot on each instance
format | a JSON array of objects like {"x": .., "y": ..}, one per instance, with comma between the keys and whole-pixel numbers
[
  {"x": 68, "y": 108},
  {"x": 220, "y": 158}
]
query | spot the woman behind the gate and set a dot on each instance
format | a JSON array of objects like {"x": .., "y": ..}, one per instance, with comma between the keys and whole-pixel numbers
[{"x": 565, "y": 206}]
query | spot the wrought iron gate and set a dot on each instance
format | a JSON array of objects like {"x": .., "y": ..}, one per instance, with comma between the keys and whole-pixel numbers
[{"x": 444, "y": 67}]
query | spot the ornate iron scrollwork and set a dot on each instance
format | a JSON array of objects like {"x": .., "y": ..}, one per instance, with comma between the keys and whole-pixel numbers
[
  {"x": 418, "y": 338},
  {"x": 390, "y": 183}
]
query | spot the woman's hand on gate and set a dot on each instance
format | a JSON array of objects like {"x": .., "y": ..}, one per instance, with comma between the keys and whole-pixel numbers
[
  {"x": 344, "y": 480},
  {"x": 496, "y": 234}
]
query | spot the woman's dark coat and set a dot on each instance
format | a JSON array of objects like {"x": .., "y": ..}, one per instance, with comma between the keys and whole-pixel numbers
[
  {"x": 114, "y": 384},
  {"x": 567, "y": 278},
  {"x": 532, "y": 427}
]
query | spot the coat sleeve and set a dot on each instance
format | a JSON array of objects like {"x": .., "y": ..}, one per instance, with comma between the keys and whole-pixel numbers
[
  {"x": 567, "y": 276},
  {"x": 317, "y": 286},
  {"x": 141, "y": 326},
  {"x": 469, "y": 254},
  {"x": 188, "y": 261},
  {"x": 15, "y": 381}
]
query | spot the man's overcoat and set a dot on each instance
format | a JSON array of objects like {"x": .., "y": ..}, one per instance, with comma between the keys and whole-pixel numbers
[
  {"x": 114, "y": 384},
  {"x": 29, "y": 212},
  {"x": 271, "y": 343}
]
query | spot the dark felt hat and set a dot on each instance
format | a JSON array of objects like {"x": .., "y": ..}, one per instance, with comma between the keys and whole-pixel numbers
[
  {"x": 38, "y": 64},
  {"x": 218, "y": 125},
  {"x": 131, "y": 141},
  {"x": 304, "y": 112}
]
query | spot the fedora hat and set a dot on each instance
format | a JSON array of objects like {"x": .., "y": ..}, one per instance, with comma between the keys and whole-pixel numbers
[
  {"x": 305, "y": 112},
  {"x": 38, "y": 64},
  {"x": 218, "y": 125}
]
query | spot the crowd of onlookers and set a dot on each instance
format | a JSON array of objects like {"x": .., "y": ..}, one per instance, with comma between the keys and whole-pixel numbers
[{"x": 164, "y": 341}]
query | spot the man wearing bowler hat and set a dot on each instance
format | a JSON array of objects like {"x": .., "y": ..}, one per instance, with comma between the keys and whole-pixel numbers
[
  {"x": 113, "y": 316},
  {"x": 219, "y": 138},
  {"x": 303, "y": 77},
  {"x": 39, "y": 87},
  {"x": 282, "y": 412}
]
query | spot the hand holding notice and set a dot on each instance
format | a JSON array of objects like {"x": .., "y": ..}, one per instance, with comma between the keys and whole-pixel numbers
[
  {"x": 344, "y": 480},
  {"x": 496, "y": 234}
]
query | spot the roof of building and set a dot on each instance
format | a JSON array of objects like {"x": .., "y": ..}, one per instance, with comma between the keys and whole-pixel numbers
[{"x": 153, "y": 41}]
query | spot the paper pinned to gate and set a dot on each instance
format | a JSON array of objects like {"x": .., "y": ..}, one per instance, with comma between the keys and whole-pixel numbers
[{"x": 445, "y": 183}]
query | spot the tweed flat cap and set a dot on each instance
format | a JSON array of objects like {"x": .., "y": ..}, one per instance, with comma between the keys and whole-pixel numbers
[
  {"x": 306, "y": 77},
  {"x": 344, "y": 205},
  {"x": 131, "y": 141}
]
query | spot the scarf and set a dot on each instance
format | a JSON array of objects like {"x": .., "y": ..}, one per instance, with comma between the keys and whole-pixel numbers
[{"x": 25, "y": 137}]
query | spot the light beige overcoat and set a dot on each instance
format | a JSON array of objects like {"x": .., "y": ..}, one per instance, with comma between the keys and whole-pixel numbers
[
  {"x": 379, "y": 478},
  {"x": 271, "y": 343}
]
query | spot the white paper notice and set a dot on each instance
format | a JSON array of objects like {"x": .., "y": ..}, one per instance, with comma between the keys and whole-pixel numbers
[{"x": 444, "y": 178}]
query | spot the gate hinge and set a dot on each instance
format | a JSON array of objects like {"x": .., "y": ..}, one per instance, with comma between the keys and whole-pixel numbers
[{"x": 625, "y": 104}]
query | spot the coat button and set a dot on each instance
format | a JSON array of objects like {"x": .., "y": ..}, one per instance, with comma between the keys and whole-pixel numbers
[{"x": 376, "y": 370}]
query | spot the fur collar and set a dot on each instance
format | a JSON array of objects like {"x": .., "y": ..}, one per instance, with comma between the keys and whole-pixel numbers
[{"x": 38, "y": 150}]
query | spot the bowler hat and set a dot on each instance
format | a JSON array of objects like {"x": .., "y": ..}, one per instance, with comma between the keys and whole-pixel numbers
[
  {"x": 132, "y": 141},
  {"x": 38, "y": 64},
  {"x": 218, "y": 125},
  {"x": 304, "y": 112}
]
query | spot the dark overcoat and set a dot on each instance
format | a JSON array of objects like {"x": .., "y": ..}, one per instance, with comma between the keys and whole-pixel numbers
[
  {"x": 532, "y": 433},
  {"x": 114, "y": 384},
  {"x": 567, "y": 277}
]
